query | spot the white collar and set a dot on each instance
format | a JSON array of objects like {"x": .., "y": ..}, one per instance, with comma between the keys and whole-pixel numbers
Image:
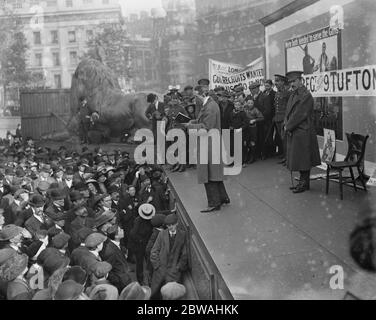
[
  {"x": 13, "y": 246},
  {"x": 38, "y": 218},
  {"x": 58, "y": 227},
  {"x": 206, "y": 99},
  {"x": 117, "y": 243},
  {"x": 95, "y": 253},
  {"x": 172, "y": 234}
]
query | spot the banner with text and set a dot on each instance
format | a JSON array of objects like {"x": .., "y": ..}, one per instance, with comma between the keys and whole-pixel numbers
[
  {"x": 359, "y": 81},
  {"x": 229, "y": 75}
]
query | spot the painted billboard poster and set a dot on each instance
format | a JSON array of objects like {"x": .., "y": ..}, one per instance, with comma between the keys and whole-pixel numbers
[{"x": 316, "y": 52}]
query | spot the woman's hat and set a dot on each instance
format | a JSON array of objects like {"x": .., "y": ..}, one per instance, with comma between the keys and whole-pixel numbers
[
  {"x": 13, "y": 267},
  {"x": 134, "y": 291},
  {"x": 9, "y": 232},
  {"x": 146, "y": 211}
]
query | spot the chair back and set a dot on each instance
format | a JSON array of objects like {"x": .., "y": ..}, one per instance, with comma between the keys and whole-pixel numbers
[{"x": 356, "y": 147}]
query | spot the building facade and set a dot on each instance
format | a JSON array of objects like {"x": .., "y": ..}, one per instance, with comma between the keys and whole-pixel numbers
[
  {"x": 229, "y": 30},
  {"x": 178, "y": 43},
  {"x": 57, "y": 32},
  {"x": 140, "y": 31}
]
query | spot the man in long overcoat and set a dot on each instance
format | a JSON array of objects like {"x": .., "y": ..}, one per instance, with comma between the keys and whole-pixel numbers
[
  {"x": 302, "y": 147},
  {"x": 168, "y": 256},
  {"x": 210, "y": 173}
]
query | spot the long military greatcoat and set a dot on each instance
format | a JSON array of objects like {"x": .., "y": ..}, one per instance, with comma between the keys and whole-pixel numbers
[{"x": 302, "y": 147}]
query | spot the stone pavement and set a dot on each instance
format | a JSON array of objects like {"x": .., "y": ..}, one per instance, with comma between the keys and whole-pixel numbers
[{"x": 273, "y": 244}]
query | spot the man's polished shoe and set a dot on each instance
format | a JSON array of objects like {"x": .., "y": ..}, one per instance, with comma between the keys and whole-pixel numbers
[
  {"x": 211, "y": 209},
  {"x": 283, "y": 161},
  {"x": 301, "y": 188},
  {"x": 226, "y": 201}
]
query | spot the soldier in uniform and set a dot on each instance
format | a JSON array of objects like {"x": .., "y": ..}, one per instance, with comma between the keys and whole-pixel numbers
[
  {"x": 280, "y": 101},
  {"x": 302, "y": 147}
]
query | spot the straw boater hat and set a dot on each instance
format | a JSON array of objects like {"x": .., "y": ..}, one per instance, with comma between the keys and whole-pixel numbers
[{"x": 146, "y": 211}]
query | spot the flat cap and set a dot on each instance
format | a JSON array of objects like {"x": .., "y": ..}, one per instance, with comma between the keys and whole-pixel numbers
[
  {"x": 101, "y": 269},
  {"x": 171, "y": 219},
  {"x": 94, "y": 239},
  {"x": 173, "y": 291},
  {"x": 69, "y": 290},
  {"x": 60, "y": 240}
]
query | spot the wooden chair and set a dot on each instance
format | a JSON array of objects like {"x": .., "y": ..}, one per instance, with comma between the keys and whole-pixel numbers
[{"x": 354, "y": 158}]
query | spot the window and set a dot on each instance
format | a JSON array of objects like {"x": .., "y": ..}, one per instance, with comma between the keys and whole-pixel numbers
[
  {"x": 17, "y": 4},
  {"x": 73, "y": 57},
  {"x": 89, "y": 35},
  {"x": 37, "y": 39},
  {"x": 57, "y": 79},
  {"x": 56, "y": 58},
  {"x": 51, "y": 3},
  {"x": 38, "y": 59},
  {"x": 54, "y": 36},
  {"x": 69, "y": 3},
  {"x": 72, "y": 36}
]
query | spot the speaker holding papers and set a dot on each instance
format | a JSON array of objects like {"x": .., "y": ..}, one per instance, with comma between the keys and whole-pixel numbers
[{"x": 182, "y": 118}]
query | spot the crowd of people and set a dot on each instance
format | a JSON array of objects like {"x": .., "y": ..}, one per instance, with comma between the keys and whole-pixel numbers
[
  {"x": 86, "y": 225},
  {"x": 259, "y": 114}
]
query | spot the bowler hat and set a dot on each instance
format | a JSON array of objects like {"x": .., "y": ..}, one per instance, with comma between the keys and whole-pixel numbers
[
  {"x": 101, "y": 269},
  {"x": 146, "y": 211},
  {"x": 134, "y": 291},
  {"x": 9, "y": 232},
  {"x": 69, "y": 290},
  {"x": 173, "y": 291},
  {"x": 57, "y": 194},
  {"x": 94, "y": 239},
  {"x": 203, "y": 82},
  {"x": 61, "y": 240},
  {"x": 171, "y": 219},
  {"x": 37, "y": 201},
  {"x": 293, "y": 75}
]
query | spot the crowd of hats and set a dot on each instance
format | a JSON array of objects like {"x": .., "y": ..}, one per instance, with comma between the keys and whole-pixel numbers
[{"x": 31, "y": 179}]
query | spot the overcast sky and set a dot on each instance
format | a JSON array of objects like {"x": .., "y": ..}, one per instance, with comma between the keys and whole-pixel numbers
[{"x": 135, "y": 6}]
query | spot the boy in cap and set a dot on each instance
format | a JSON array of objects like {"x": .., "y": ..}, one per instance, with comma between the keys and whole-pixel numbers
[
  {"x": 302, "y": 147},
  {"x": 169, "y": 255}
]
